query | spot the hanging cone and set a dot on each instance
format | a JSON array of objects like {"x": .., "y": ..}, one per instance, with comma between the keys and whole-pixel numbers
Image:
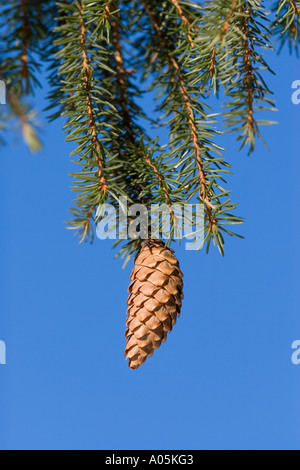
[{"x": 154, "y": 302}]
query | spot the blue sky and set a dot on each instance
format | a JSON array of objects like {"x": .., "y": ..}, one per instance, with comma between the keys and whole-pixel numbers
[{"x": 223, "y": 380}]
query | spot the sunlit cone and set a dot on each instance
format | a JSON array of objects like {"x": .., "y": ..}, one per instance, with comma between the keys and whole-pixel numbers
[{"x": 154, "y": 303}]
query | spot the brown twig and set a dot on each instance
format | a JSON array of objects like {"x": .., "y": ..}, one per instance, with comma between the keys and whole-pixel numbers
[
  {"x": 295, "y": 8},
  {"x": 212, "y": 62},
  {"x": 87, "y": 225},
  {"x": 184, "y": 20},
  {"x": 25, "y": 41},
  {"x": 106, "y": 11},
  {"x": 226, "y": 26}
]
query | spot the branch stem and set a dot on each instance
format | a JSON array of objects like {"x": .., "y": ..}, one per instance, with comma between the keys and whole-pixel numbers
[{"x": 25, "y": 42}]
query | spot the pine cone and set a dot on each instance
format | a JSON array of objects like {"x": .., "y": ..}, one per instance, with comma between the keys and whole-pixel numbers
[{"x": 154, "y": 301}]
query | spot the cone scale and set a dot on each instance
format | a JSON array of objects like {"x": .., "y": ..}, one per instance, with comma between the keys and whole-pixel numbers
[{"x": 154, "y": 303}]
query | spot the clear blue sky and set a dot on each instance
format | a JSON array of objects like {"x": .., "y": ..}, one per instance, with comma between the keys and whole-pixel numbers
[{"x": 223, "y": 380}]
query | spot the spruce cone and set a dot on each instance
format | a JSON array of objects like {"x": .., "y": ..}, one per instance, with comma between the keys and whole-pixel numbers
[{"x": 154, "y": 301}]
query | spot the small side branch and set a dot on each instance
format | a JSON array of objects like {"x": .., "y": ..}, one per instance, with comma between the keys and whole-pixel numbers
[
  {"x": 184, "y": 20},
  {"x": 225, "y": 28},
  {"x": 234, "y": 5}
]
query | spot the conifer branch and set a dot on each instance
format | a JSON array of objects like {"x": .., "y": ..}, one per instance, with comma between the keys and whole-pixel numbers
[
  {"x": 184, "y": 50},
  {"x": 178, "y": 78},
  {"x": 224, "y": 29},
  {"x": 248, "y": 77},
  {"x": 24, "y": 27},
  {"x": 236, "y": 62},
  {"x": 127, "y": 120},
  {"x": 90, "y": 107},
  {"x": 82, "y": 102}
]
